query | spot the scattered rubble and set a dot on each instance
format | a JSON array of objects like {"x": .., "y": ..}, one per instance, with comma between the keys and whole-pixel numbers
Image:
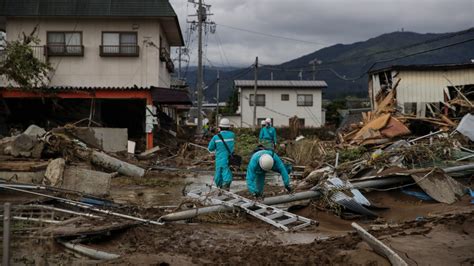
[{"x": 68, "y": 183}]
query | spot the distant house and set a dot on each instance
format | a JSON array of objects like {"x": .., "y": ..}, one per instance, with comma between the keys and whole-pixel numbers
[
  {"x": 112, "y": 57},
  {"x": 421, "y": 88},
  {"x": 280, "y": 100}
]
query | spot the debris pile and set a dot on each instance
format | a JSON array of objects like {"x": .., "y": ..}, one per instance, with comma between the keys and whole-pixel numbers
[{"x": 386, "y": 123}]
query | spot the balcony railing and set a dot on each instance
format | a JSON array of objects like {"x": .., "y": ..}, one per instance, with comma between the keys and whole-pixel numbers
[
  {"x": 64, "y": 50},
  {"x": 119, "y": 50}
]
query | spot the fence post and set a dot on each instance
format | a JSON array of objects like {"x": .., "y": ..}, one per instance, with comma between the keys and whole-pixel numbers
[{"x": 6, "y": 234}]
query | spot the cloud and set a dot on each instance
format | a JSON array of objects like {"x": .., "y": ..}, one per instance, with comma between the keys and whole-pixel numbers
[{"x": 324, "y": 22}]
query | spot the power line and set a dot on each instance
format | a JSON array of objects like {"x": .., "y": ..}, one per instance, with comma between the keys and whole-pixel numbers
[
  {"x": 374, "y": 63},
  {"x": 298, "y": 68},
  {"x": 221, "y": 49},
  {"x": 271, "y": 35}
]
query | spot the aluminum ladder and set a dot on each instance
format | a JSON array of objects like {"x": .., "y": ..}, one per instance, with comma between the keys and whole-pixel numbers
[{"x": 284, "y": 220}]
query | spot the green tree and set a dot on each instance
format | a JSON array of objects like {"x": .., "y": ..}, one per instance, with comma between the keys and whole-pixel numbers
[
  {"x": 232, "y": 103},
  {"x": 332, "y": 116},
  {"x": 21, "y": 66}
]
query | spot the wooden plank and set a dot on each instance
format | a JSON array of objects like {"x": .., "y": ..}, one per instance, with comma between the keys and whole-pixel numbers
[{"x": 379, "y": 246}]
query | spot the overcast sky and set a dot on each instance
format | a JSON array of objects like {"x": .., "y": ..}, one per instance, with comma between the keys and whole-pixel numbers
[{"x": 319, "y": 22}]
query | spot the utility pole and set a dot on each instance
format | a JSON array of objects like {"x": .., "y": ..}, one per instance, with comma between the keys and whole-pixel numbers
[
  {"x": 217, "y": 98},
  {"x": 314, "y": 62},
  {"x": 179, "y": 63},
  {"x": 199, "y": 77},
  {"x": 255, "y": 95},
  {"x": 201, "y": 23}
]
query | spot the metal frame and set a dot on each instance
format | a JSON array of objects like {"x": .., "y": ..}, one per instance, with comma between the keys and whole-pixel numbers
[
  {"x": 48, "y": 53},
  {"x": 119, "y": 54}
]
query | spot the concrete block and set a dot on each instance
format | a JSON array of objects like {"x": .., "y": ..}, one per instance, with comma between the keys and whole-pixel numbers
[
  {"x": 54, "y": 172},
  {"x": 106, "y": 139},
  {"x": 87, "y": 181},
  {"x": 34, "y": 131},
  {"x": 23, "y": 177},
  {"x": 24, "y": 146}
]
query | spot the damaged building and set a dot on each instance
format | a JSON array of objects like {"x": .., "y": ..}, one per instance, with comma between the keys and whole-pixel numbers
[
  {"x": 423, "y": 90},
  {"x": 111, "y": 64}
]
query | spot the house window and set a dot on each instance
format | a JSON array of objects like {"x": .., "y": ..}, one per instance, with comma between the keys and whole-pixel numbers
[
  {"x": 285, "y": 97},
  {"x": 119, "y": 44},
  {"x": 304, "y": 100},
  {"x": 64, "y": 44},
  {"x": 260, "y": 99}
]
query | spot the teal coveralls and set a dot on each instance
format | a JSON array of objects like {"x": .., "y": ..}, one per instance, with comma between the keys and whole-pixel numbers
[
  {"x": 256, "y": 175},
  {"x": 268, "y": 137},
  {"x": 223, "y": 175}
]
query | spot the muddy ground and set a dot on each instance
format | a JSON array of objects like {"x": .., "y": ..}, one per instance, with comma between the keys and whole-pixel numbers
[{"x": 423, "y": 233}]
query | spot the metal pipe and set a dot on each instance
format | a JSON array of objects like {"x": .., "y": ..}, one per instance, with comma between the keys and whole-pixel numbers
[
  {"x": 425, "y": 136},
  {"x": 62, "y": 210},
  {"x": 86, "y": 206},
  {"x": 31, "y": 219},
  {"x": 221, "y": 208},
  {"x": 370, "y": 183},
  {"x": 461, "y": 168},
  {"x": 466, "y": 157},
  {"x": 90, "y": 252}
]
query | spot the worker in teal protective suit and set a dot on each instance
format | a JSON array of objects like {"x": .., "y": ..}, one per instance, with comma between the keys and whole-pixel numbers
[
  {"x": 223, "y": 175},
  {"x": 261, "y": 162},
  {"x": 267, "y": 135}
]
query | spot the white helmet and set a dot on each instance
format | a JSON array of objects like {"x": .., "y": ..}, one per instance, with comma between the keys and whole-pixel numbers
[
  {"x": 266, "y": 162},
  {"x": 224, "y": 123},
  {"x": 268, "y": 120},
  {"x": 263, "y": 123}
]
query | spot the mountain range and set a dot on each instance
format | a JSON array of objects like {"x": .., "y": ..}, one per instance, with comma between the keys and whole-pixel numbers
[{"x": 344, "y": 66}]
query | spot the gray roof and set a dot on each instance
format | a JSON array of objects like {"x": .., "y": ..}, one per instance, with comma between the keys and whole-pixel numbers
[
  {"x": 92, "y": 8},
  {"x": 282, "y": 83},
  {"x": 424, "y": 67}
]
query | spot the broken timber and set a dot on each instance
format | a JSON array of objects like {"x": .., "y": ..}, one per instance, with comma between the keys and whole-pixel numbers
[
  {"x": 379, "y": 246},
  {"x": 282, "y": 219}
]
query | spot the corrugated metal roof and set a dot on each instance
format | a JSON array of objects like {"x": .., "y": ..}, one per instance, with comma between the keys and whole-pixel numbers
[
  {"x": 108, "y": 8},
  {"x": 424, "y": 67},
  {"x": 73, "y": 88},
  {"x": 282, "y": 83}
]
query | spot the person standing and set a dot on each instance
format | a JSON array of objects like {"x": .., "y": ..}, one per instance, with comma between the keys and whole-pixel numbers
[
  {"x": 267, "y": 135},
  {"x": 261, "y": 163},
  {"x": 223, "y": 144}
]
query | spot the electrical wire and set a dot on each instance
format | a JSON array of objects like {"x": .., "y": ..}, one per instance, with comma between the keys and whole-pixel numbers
[
  {"x": 298, "y": 68},
  {"x": 373, "y": 64},
  {"x": 219, "y": 42},
  {"x": 271, "y": 35}
]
